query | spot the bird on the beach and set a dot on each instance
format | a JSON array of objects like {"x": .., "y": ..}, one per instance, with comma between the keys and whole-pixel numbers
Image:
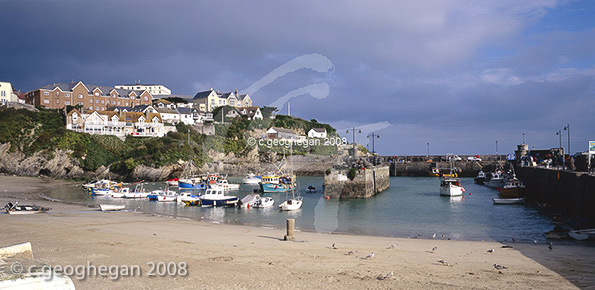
[
  {"x": 351, "y": 252},
  {"x": 500, "y": 267},
  {"x": 434, "y": 235},
  {"x": 444, "y": 263},
  {"x": 443, "y": 237},
  {"x": 535, "y": 242},
  {"x": 434, "y": 249},
  {"x": 334, "y": 246},
  {"x": 490, "y": 250},
  {"x": 369, "y": 256},
  {"x": 513, "y": 240},
  {"x": 389, "y": 275},
  {"x": 550, "y": 246},
  {"x": 391, "y": 246}
]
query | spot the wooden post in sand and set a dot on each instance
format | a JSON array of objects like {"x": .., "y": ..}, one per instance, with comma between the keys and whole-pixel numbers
[{"x": 290, "y": 226}]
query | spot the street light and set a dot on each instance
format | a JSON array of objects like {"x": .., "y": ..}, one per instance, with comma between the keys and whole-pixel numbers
[
  {"x": 567, "y": 127},
  {"x": 497, "y": 158},
  {"x": 428, "y": 149},
  {"x": 373, "y": 135},
  {"x": 353, "y": 131}
]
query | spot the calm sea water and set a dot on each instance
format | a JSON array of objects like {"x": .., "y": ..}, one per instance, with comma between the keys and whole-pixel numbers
[{"x": 411, "y": 207}]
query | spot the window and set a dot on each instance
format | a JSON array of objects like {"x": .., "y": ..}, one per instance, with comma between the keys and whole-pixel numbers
[
  {"x": 80, "y": 96},
  {"x": 46, "y": 93},
  {"x": 80, "y": 103},
  {"x": 67, "y": 103},
  {"x": 57, "y": 93},
  {"x": 102, "y": 102},
  {"x": 57, "y": 101},
  {"x": 113, "y": 102},
  {"x": 67, "y": 95},
  {"x": 97, "y": 94},
  {"x": 91, "y": 101},
  {"x": 46, "y": 101},
  {"x": 146, "y": 98},
  {"x": 3, "y": 94},
  {"x": 97, "y": 101}
]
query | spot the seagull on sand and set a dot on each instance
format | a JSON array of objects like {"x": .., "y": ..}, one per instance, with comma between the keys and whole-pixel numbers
[
  {"x": 444, "y": 263},
  {"x": 550, "y": 246},
  {"x": 434, "y": 249},
  {"x": 389, "y": 275},
  {"x": 369, "y": 256},
  {"x": 391, "y": 246},
  {"x": 351, "y": 252},
  {"x": 334, "y": 246},
  {"x": 499, "y": 267},
  {"x": 434, "y": 235},
  {"x": 535, "y": 242},
  {"x": 490, "y": 250}
]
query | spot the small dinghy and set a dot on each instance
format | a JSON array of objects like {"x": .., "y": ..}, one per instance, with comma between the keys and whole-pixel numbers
[
  {"x": 16, "y": 208},
  {"x": 111, "y": 207}
]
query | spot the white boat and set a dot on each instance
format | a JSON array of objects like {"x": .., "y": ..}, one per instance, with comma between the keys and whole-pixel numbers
[
  {"x": 251, "y": 178},
  {"x": 294, "y": 203},
  {"x": 102, "y": 183},
  {"x": 111, "y": 207},
  {"x": 451, "y": 186},
  {"x": 222, "y": 183},
  {"x": 16, "y": 208},
  {"x": 508, "y": 200},
  {"x": 496, "y": 181},
  {"x": 165, "y": 195},
  {"x": 249, "y": 200},
  {"x": 172, "y": 182},
  {"x": 188, "y": 198},
  {"x": 264, "y": 202},
  {"x": 101, "y": 191},
  {"x": 216, "y": 196},
  {"x": 586, "y": 234}
]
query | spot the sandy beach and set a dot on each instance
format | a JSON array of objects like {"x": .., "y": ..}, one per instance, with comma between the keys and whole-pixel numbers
[{"x": 195, "y": 254}]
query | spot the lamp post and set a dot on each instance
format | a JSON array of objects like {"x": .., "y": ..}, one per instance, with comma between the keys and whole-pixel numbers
[
  {"x": 559, "y": 133},
  {"x": 353, "y": 140},
  {"x": 497, "y": 157},
  {"x": 523, "y": 138},
  {"x": 428, "y": 155},
  {"x": 567, "y": 128},
  {"x": 373, "y": 135}
]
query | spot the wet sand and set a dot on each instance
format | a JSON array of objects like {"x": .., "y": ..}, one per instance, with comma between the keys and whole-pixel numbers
[{"x": 227, "y": 256}]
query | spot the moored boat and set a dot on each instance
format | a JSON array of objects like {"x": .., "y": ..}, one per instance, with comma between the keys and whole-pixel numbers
[
  {"x": 480, "y": 178},
  {"x": 509, "y": 200},
  {"x": 165, "y": 195},
  {"x": 293, "y": 203},
  {"x": 16, "y": 208},
  {"x": 264, "y": 202},
  {"x": 172, "y": 182},
  {"x": 451, "y": 186},
  {"x": 217, "y": 197},
  {"x": 311, "y": 189},
  {"x": 223, "y": 183},
  {"x": 249, "y": 200},
  {"x": 251, "y": 178},
  {"x": 496, "y": 181},
  {"x": 188, "y": 198},
  {"x": 512, "y": 188},
  {"x": 111, "y": 207},
  {"x": 586, "y": 234}
]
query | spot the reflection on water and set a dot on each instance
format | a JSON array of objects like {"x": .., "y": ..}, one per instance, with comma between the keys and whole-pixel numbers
[{"x": 412, "y": 206}]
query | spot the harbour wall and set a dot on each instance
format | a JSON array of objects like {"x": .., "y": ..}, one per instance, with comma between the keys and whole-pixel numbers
[
  {"x": 367, "y": 182},
  {"x": 421, "y": 168},
  {"x": 565, "y": 192}
]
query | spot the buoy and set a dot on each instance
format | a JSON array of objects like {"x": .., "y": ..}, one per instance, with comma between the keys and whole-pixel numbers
[{"x": 327, "y": 197}]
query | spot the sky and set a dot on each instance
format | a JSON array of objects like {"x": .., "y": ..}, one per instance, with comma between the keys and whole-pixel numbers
[{"x": 460, "y": 76}]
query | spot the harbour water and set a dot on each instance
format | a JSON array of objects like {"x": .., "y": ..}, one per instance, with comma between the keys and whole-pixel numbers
[{"x": 411, "y": 207}]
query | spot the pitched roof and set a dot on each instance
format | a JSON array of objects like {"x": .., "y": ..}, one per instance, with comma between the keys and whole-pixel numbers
[
  {"x": 283, "y": 130},
  {"x": 204, "y": 94},
  {"x": 319, "y": 130}
]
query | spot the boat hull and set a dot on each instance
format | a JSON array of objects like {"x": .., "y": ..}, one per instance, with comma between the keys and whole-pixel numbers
[
  {"x": 111, "y": 207},
  {"x": 291, "y": 204},
  {"x": 273, "y": 188},
  {"x": 451, "y": 190},
  {"x": 508, "y": 200},
  {"x": 219, "y": 202},
  {"x": 188, "y": 185}
]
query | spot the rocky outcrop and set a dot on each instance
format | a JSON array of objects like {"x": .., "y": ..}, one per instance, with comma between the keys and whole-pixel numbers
[
  {"x": 57, "y": 164},
  {"x": 142, "y": 172}
]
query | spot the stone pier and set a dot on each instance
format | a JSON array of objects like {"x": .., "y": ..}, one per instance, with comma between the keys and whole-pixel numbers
[{"x": 366, "y": 183}]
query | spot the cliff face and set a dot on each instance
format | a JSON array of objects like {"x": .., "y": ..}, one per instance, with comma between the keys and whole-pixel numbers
[{"x": 60, "y": 164}]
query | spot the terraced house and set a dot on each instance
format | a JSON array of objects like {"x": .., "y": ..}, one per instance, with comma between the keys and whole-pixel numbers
[
  {"x": 207, "y": 101},
  {"x": 89, "y": 97},
  {"x": 123, "y": 123}
]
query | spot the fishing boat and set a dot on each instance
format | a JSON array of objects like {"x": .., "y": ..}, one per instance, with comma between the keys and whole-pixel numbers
[
  {"x": 264, "y": 202},
  {"x": 496, "y": 181},
  {"x": 223, "y": 183},
  {"x": 295, "y": 202},
  {"x": 165, "y": 195},
  {"x": 16, "y": 208},
  {"x": 311, "y": 189},
  {"x": 217, "y": 197},
  {"x": 509, "y": 200},
  {"x": 138, "y": 192},
  {"x": 434, "y": 172},
  {"x": 480, "y": 178},
  {"x": 249, "y": 200},
  {"x": 111, "y": 207},
  {"x": 586, "y": 234},
  {"x": 172, "y": 182},
  {"x": 513, "y": 188},
  {"x": 251, "y": 178},
  {"x": 277, "y": 183},
  {"x": 451, "y": 185},
  {"x": 101, "y": 183},
  {"x": 188, "y": 198},
  {"x": 101, "y": 191}
]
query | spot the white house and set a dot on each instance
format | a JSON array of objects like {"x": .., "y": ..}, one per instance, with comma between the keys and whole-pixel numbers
[
  {"x": 6, "y": 93},
  {"x": 282, "y": 133},
  {"x": 116, "y": 123},
  {"x": 253, "y": 113},
  {"x": 317, "y": 133}
]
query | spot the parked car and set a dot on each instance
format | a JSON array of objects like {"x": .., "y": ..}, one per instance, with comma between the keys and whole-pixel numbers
[{"x": 473, "y": 158}]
